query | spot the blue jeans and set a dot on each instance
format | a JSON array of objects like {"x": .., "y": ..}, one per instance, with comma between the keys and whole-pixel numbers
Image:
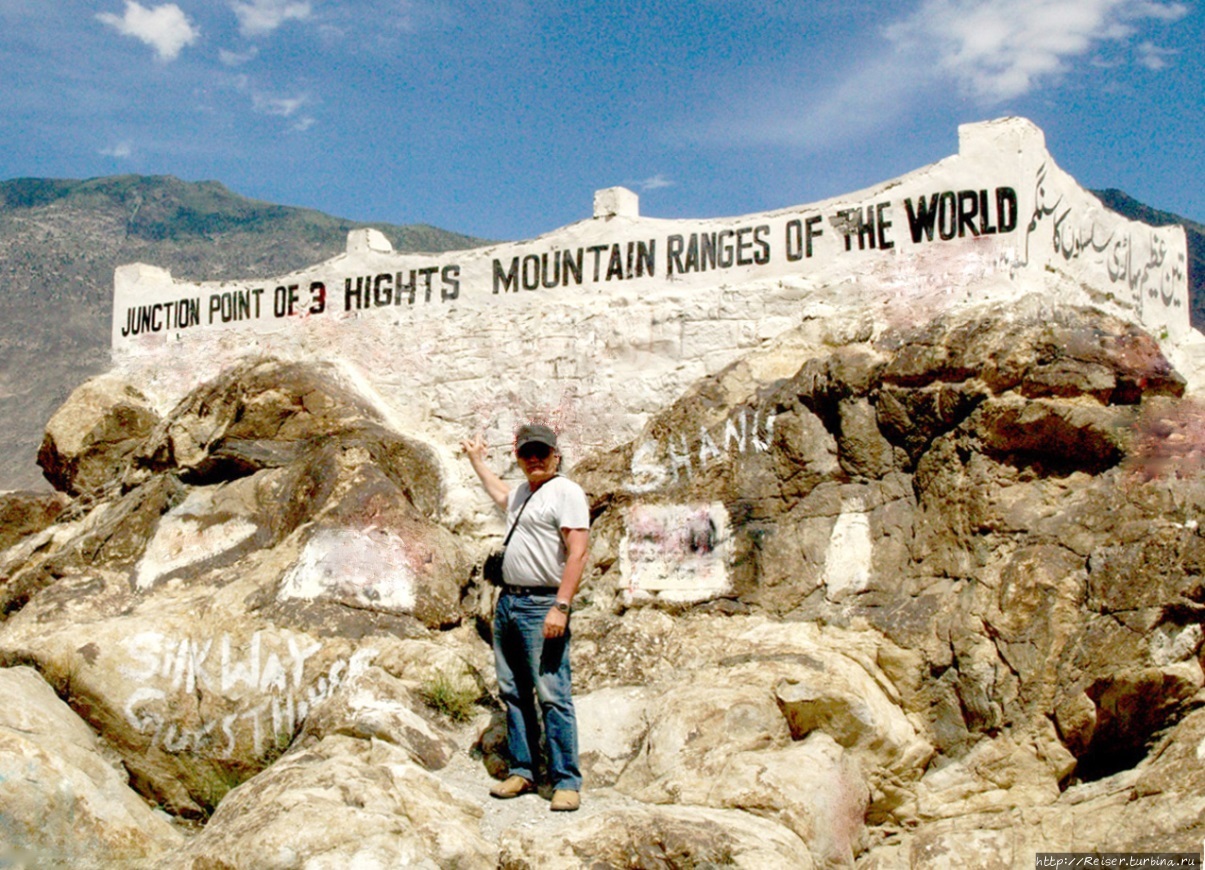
[{"x": 527, "y": 666}]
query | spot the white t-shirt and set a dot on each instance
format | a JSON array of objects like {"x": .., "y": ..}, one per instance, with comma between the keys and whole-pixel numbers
[{"x": 536, "y": 553}]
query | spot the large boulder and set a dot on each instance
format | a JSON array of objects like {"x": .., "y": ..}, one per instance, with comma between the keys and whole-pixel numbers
[
  {"x": 255, "y": 551},
  {"x": 341, "y": 802},
  {"x": 266, "y": 414},
  {"x": 66, "y": 798},
  {"x": 90, "y": 439}
]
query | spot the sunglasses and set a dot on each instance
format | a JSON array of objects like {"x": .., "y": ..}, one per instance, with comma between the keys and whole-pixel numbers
[{"x": 534, "y": 451}]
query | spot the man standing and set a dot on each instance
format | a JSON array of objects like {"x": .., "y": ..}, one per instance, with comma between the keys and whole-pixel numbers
[{"x": 543, "y": 566}]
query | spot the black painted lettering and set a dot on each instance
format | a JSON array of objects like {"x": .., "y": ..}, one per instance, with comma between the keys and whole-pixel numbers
[
  {"x": 866, "y": 234},
  {"x": 674, "y": 245},
  {"x": 986, "y": 227},
  {"x": 382, "y": 290},
  {"x": 885, "y": 244},
  {"x": 707, "y": 250},
  {"x": 427, "y": 273},
  {"x": 615, "y": 266},
  {"x": 794, "y": 248},
  {"x": 743, "y": 244},
  {"x": 1006, "y": 209},
  {"x": 947, "y": 216},
  {"x": 402, "y": 287},
  {"x": 646, "y": 257},
  {"x": 547, "y": 281},
  {"x": 531, "y": 272},
  {"x": 923, "y": 219},
  {"x": 504, "y": 282},
  {"x": 968, "y": 210},
  {"x": 259, "y": 291},
  {"x": 810, "y": 231},
  {"x": 845, "y": 224},
  {"x": 280, "y": 302},
  {"x": 187, "y": 313},
  {"x": 692, "y": 253},
  {"x": 762, "y": 243},
  {"x": 596, "y": 250},
  {"x": 215, "y": 306},
  {"x": 349, "y": 294},
  {"x": 317, "y": 298},
  {"x": 451, "y": 283},
  {"x": 571, "y": 264},
  {"x": 727, "y": 248}
]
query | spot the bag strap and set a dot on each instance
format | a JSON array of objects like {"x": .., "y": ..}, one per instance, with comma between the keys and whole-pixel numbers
[{"x": 522, "y": 508}]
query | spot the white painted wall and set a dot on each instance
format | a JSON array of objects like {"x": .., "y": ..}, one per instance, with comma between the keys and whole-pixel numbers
[{"x": 472, "y": 350}]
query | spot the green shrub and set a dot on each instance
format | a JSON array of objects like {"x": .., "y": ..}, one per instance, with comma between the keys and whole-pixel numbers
[{"x": 450, "y": 697}]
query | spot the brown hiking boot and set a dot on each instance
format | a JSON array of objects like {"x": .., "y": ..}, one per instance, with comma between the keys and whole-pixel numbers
[
  {"x": 565, "y": 801},
  {"x": 512, "y": 787}
]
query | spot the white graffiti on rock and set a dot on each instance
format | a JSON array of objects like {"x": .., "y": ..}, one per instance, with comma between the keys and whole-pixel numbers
[
  {"x": 657, "y": 464},
  {"x": 265, "y": 682}
]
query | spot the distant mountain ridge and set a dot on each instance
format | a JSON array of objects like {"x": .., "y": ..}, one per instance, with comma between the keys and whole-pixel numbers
[
  {"x": 61, "y": 239},
  {"x": 162, "y": 208}
]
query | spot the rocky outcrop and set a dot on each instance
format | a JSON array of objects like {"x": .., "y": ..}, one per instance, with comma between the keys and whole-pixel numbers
[
  {"x": 934, "y": 597},
  {"x": 66, "y": 797},
  {"x": 24, "y": 513},
  {"x": 89, "y": 439},
  {"x": 252, "y": 540},
  {"x": 1008, "y": 503}
]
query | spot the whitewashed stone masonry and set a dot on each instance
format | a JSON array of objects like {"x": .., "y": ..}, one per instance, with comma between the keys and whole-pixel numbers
[{"x": 598, "y": 325}]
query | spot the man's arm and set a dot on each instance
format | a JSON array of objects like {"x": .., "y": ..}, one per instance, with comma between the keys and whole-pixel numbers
[
  {"x": 577, "y": 544},
  {"x": 494, "y": 487}
]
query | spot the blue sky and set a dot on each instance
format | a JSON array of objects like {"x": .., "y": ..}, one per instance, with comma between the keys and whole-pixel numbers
[{"x": 500, "y": 118}]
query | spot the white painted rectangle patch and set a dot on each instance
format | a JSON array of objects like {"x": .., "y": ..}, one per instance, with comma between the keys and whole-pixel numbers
[{"x": 679, "y": 552}]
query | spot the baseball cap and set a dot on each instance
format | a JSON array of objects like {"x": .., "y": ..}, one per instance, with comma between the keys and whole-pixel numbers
[{"x": 534, "y": 433}]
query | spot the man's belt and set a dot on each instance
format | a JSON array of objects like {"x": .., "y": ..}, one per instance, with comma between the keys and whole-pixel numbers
[{"x": 529, "y": 590}]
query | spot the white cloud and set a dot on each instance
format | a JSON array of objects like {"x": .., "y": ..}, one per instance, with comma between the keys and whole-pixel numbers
[
  {"x": 261, "y": 17},
  {"x": 121, "y": 150},
  {"x": 1001, "y": 50},
  {"x": 863, "y": 96},
  {"x": 1153, "y": 57},
  {"x": 284, "y": 107},
  {"x": 234, "y": 58},
  {"x": 165, "y": 28},
  {"x": 1163, "y": 11},
  {"x": 656, "y": 182},
  {"x": 281, "y": 107}
]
